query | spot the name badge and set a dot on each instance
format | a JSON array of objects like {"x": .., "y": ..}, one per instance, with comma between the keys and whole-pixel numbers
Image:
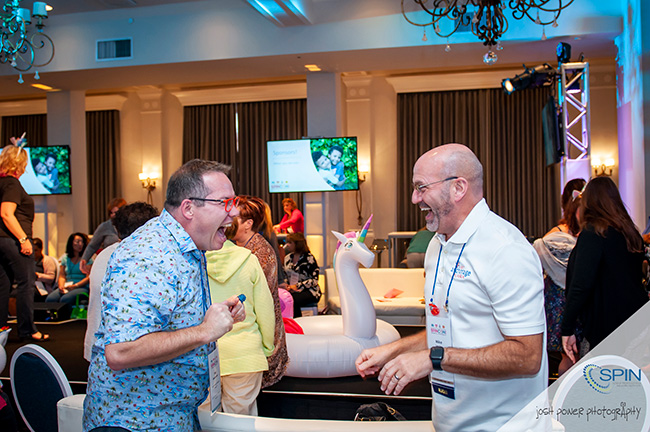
[
  {"x": 215, "y": 380},
  {"x": 439, "y": 334}
]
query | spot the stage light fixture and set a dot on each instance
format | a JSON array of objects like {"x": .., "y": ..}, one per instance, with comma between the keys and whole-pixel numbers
[{"x": 530, "y": 78}]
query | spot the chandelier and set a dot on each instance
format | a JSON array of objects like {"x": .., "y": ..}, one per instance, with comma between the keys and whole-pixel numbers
[
  {"x": 485, "y": 18},
  {"x": 22, "y": 46}
]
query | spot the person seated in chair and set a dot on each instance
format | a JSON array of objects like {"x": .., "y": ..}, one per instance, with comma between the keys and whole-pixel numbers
[
  {"x": 417, "y": 248},
  {"x": 72, "y": 281},
  {"x": 302, "y": 273},
  {"x": 45, "y": 270},
  {"x": 104, "y": 236}
]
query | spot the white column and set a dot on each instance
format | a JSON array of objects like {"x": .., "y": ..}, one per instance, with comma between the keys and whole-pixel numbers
[
  {"x": 323, "y": 211},
  {"x": 371, "y": 117},
  {"x": 66, "y": 125},
  {"x": 151, "y": 139},
  {"x": 172, "y": 138}
]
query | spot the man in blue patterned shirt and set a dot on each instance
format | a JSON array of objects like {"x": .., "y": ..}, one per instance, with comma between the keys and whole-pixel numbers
[{"x": 149, "y": 366}]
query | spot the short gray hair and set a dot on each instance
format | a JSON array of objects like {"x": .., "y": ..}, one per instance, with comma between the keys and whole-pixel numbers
[{"x": 187, "y": 181}]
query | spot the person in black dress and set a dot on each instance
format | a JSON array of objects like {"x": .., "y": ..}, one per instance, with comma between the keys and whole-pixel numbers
[
  {"x": 17, "y": 265},
  {"x": 604, "y": 277}
]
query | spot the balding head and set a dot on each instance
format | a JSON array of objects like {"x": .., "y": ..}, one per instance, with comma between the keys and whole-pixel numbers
[
  {"x": 451, "y": 184},
  {"x": 455, "y": 160}
]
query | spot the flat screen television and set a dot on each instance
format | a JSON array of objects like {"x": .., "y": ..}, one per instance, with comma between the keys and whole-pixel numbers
[
  {"x": 48, "y": 171},
  {"x": 313, "y": 165}
]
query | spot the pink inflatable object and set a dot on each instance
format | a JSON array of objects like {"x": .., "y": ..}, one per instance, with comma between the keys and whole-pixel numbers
[{"x": 286, "y": 303}]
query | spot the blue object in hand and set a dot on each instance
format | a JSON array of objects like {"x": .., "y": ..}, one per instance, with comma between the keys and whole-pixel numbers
[{"x": 241, "y": 297}]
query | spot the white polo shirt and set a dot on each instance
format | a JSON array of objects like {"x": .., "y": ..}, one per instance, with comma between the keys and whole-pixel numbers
[{"x": 497, "y": 290}]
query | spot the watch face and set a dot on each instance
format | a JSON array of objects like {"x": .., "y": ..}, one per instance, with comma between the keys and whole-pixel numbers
[{"x": 436, "y": 354}]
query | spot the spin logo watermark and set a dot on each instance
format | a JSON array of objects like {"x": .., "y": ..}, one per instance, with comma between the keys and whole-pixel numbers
[{"x": 604, "y": 379}]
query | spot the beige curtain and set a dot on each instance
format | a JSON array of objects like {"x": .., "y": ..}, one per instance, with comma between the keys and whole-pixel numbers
[
  {"x": 34, "y": 125},
  {"x": 103, "y": 161},
  {"x": 505, "y": 132}
]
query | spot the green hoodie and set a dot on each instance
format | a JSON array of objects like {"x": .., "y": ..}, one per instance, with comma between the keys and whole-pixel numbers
[{"x": 233, "y": 270}]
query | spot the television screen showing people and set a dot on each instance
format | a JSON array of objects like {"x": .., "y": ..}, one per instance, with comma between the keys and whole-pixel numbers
[
  {"x": 313, "y": 165},
  {"x": 48, "y": 170}
]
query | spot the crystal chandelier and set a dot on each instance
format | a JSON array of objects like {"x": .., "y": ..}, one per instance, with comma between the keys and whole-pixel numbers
[
  {"x": 486, "y": 18},
  {"x": 22, "y": 46}
]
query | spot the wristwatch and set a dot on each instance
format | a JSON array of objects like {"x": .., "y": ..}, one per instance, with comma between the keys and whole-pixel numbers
[
  {"x": 436, "y": 354},
  {"x": 23, "y": 240}
]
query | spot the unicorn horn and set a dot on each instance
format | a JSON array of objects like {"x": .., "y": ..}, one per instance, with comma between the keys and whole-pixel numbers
[
  {"x": 20, "y": 142},
  {"x": 364, "y": 231}
]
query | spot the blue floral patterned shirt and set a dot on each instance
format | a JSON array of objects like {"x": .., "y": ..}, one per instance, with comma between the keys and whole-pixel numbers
[{"x": 155, "y": 281}]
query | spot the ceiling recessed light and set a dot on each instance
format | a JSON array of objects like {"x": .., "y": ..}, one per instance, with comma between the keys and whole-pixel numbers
[
  {"x": 312, "y": 68},
  {"x": 42, "y": 87},
  {"x": 49, "y": 8}
]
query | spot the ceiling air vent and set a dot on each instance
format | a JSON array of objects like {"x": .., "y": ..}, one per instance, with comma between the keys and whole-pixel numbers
[{"x": 114, "y": 49}]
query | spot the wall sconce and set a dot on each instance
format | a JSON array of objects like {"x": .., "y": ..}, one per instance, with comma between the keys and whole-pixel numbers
[
  {"x": 603, "y": 168},
  {"x": 364, "y": 171},
  {"x": 149, "y": 183}
]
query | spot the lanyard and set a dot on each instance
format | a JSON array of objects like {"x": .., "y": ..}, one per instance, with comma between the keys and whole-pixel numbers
[
  {"x": 205, "y": 289},
  {"x": 435, "y": 278}
]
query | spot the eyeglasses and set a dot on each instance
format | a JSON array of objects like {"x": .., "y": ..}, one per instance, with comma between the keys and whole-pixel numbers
[
  {"x": 227, "y": 203},
  {"x": 421, "y": 188}
]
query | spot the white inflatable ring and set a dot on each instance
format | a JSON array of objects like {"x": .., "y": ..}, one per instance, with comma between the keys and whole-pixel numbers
[{"x": 325, "y": 352}]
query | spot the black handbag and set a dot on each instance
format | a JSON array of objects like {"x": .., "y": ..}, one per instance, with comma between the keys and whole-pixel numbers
[{"x": 378, "y": 411}]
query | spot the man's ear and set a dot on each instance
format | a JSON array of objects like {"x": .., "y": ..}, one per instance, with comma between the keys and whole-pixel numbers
[
  {"x": 187, "y": 209},
  {"x": 459, "y": 189}
]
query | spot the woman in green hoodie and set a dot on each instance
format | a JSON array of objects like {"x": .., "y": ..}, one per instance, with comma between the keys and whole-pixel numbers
[{"x": 234, "y": 270}]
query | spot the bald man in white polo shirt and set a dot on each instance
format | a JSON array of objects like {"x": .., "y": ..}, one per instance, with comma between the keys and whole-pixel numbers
[{"x": 484, "y": 346}]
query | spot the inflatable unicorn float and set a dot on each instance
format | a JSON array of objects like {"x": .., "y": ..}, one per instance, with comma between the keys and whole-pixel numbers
[{"x": 332, "y": 343}]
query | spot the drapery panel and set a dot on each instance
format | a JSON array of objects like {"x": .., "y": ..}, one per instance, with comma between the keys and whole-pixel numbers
[
  {"x": 34, "y": 125},
  {"x": 504, "y": 131},
  {"x": 209, "y": 133},
  {"x": 260, "y": 122},
  {"x": 236, "y": 134},
  {"x": 103, "y": 163}
]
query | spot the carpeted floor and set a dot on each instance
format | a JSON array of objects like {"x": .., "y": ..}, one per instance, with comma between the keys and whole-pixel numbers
[{"x": 65, "y": 344}]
